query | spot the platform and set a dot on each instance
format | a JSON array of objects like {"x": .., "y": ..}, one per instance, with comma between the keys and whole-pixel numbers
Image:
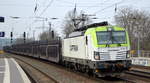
[{"x": 11, "y": 72}]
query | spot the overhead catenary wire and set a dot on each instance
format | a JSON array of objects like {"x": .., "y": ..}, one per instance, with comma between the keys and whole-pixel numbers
[
  {"x": 46, "y": 7},
  {"x": 109, "y": 6},
  {"x": 35, "y": 10},
  {"x": 66, "y": 2},
  {"x": 72, "y": 3},
  {"x": 17, "y": 5},
  {"x": 41, "y": 12},
  {"x": 97, "y": 4}
]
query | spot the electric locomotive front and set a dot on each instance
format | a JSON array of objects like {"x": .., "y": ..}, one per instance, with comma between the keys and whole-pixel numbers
[{"x": 108, "y": 49}]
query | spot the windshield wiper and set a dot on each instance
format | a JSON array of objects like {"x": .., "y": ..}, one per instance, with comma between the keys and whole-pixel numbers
[
  {"x": 119, "y": 44},
  {"x": 110, "y": 39},
  {"x": 107, "y": 44}
]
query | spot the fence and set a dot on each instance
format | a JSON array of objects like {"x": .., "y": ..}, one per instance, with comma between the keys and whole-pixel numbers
[
  {"x": 142, "y": 53},
  {"x": 142, "y": 59}
]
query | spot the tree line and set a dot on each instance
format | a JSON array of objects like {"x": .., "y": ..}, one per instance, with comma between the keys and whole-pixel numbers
[{"x": 137, "y": 23}]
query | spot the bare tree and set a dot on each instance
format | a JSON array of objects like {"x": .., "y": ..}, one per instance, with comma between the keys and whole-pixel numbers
[
  {"x": 73, "y": 20},
  {"x": 43, "y": 36},
  {"x": 48, "y": 35},
  {"x": 136, "y": 22},
  {"x": 21, "y": 40}
]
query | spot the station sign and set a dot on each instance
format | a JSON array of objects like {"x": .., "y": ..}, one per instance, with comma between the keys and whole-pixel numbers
[
  {"x": 2, "y": 19},
  {"x": 2, "y": 34}
]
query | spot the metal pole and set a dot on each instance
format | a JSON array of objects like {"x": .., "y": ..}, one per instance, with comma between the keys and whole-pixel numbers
[
  {"x": 24, "y": 36},
  {"x": 11, "y": 35},
  {"x": 43, "y": 25},
  {"x": 138, "y": 47},
  {"x": 83, "y": 19},
  {"x": 50, "y": 28},
  {"x": 1, "y": 43},
  {"x": 33, "y": 34}
]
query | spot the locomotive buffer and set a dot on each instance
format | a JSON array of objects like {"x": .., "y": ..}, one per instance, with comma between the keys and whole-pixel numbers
[{"x": 11, "y": 72}]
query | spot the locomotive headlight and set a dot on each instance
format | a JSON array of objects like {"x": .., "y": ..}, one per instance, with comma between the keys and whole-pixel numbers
[
  {"x": 96, "y": 55},
  {"x": 128, "y": 54}
]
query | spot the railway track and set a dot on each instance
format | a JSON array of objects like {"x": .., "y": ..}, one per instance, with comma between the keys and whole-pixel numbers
[
  {"x": 61, "y": 76},
  {"x": 54, "y": 79},
  {"x": 136, "y": 76},
  {"x": 139, "y": 73},
  {"x": 34, "y": 71}
]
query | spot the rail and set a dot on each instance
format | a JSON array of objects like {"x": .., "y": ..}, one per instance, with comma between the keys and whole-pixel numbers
[
  {"x": 45, "y": 76},
  {"x": 139, "y": 73}
]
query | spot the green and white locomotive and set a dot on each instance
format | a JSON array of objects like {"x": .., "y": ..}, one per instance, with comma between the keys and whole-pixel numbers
[{"x": 98, "y": 48}]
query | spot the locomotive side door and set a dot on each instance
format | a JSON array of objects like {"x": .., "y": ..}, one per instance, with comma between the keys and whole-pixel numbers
[{"x": 88, "y": 46}]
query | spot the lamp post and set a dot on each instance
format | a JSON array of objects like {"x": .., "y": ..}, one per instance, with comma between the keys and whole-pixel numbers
[
  {"x": 11, "y": 33},
  {"x": 50, "y": 28}
]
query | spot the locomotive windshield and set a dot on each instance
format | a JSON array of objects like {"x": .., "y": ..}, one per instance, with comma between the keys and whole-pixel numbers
[{"x": 111, "y": 37}]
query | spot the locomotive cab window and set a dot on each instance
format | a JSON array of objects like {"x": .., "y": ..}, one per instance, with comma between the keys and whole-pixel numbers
[{"x": 111, "y": 37}]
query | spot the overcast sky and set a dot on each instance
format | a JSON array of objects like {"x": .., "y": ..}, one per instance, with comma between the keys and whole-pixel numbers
[{"x": 103, "y": 9}]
